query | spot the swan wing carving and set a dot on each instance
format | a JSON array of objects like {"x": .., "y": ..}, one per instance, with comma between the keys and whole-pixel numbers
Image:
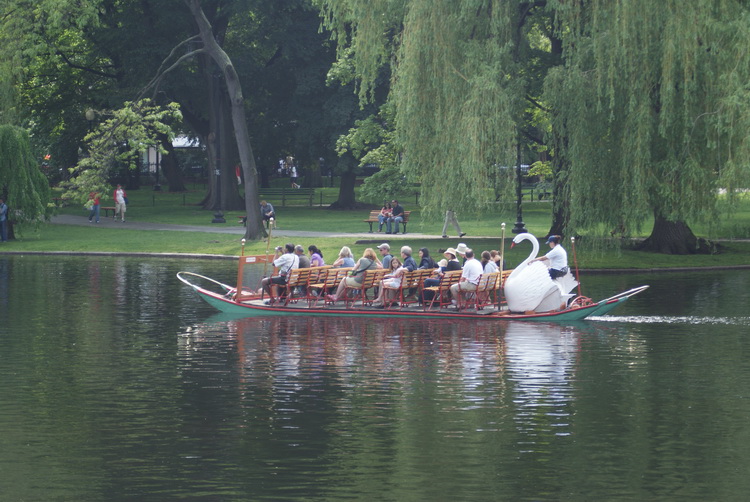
[{"x": 527, "y": 290}]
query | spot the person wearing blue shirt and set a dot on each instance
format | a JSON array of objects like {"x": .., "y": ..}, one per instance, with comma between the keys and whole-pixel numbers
[{"x": 409, "y": 262}]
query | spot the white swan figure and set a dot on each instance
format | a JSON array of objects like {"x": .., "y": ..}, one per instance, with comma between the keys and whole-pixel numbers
[{"x": 530, "y": 288}]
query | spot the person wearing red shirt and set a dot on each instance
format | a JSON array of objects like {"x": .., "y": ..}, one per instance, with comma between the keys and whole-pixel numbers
[{"x": 94, "y": 201}]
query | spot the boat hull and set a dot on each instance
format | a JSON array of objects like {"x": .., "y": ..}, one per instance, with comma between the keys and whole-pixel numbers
[{"x": 256, "y": 307}]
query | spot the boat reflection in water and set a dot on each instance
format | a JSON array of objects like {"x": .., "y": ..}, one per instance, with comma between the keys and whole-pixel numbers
[
  {"x": 541, "y": 363},
  {"x": 515, "y": 375}
]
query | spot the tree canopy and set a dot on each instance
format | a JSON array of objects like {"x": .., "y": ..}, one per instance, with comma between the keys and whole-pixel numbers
[
  {"x": 645, "y": 104},
  {"x": 456, "y": 89},
  {"x": 653, "y": 101}
]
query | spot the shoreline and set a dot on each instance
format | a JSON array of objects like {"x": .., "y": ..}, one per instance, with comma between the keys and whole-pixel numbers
[{"x": 200, "y": 256}]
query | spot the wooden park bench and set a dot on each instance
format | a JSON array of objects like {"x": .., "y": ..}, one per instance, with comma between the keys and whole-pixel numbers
[
  {"x": 530, "y": 189},
  {"x": 106, "y": 210},
  {"x": 373, "y": 218},
  {"x": 288, "y": 196}
]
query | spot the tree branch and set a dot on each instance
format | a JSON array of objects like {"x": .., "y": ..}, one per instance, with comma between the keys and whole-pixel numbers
[
  {"x": 162, "y": 72},
  {"x": 537, "y": 104}
]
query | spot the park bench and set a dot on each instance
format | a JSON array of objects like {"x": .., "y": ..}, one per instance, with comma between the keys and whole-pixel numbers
[
  {"x": 532, "y": 188},
  {"x": 373, "y": 218},
  {"x": 288, "y": 196},
  {"x": 106, "y": 210}
]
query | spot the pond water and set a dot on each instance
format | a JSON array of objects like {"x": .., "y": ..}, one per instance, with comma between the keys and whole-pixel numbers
[{"x": 118, "y": 383}]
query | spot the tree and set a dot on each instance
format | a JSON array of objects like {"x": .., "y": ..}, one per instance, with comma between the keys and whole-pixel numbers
[
  {"x": 457, "y": 89},
  {"x": 118, "y": 142},
  {"x": 654, "y": 103},
  {"x": 213, "y": 49},
  {"x": 22, "y": 185}
]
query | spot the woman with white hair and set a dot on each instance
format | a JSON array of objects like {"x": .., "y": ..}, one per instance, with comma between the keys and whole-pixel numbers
[{"x": 345, "y": 258}]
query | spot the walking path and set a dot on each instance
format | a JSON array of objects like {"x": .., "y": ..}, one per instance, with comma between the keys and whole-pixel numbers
[{"x": 230, "y": 228}]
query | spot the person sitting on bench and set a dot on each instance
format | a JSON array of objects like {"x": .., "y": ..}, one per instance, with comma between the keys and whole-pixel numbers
[{"x": 267, "y": 212}]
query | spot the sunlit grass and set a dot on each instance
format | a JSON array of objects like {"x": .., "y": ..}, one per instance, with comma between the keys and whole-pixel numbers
[{"x": 183, "y": 209}]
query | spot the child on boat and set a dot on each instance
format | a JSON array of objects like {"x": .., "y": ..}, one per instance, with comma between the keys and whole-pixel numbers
[{"x": 392, "y": 280}]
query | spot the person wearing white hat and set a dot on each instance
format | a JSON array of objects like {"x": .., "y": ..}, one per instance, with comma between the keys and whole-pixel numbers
[
  {"x": 461, "y": 250},
  {"x": 447, "y": 264}
]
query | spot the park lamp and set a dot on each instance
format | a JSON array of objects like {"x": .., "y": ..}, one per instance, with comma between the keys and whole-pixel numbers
[{"x": 90, "y": 116}]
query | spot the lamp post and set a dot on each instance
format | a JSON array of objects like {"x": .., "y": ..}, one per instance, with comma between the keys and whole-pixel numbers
[
  {"x": 519, "y": 227},
  {"x": 218, "y": 215},
  {"x": 90, "y": 116},
  {"x": 157, "y": 186}
]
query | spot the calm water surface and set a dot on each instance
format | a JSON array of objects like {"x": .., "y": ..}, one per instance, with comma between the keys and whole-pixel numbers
[{"x": 118, "y": 383}]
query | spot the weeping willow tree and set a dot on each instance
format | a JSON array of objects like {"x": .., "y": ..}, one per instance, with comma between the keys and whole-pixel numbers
[
  {"x": 456, "y": 89},
  {"x": 22, "y": 185},
  {"x": 654, "y": 105}
]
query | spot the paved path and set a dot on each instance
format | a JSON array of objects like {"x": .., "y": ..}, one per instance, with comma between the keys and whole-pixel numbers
[{"x": 232, "y": 228}]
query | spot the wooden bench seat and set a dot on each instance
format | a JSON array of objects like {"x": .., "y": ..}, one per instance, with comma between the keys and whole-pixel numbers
[
  {"x": 370, "y": 280},
  {"x": 373, "y": 218},
  {"x": 411, "y": 282},
  {"x": 106, "y": 210},
  {"x": 326, "y": 283},
  {"x": 441, "y": 292},
  {"x": 288, "y": 196}
]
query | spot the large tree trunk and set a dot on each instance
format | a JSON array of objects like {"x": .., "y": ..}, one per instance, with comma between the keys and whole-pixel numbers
[
  {"x": 170, "y": 169},
  {"x": 560, "y": 199},
  {"x": 675, "y": 237},
  {"x": 254, "y": 228},
  {"x": 346, "y": 199}
]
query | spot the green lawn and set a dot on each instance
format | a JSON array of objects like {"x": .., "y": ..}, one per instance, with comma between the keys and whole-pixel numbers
[{"x": 163, "y": 207}]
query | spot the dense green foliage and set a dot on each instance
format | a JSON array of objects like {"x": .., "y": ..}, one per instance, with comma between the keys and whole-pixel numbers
[
  {"x": 22, "y": 184},
  {"x": 645, "y": 104},
  {"x": 653, "y": 100},
  {"x": 639, "y": 109},
  {"x": 132, "y": 130}
]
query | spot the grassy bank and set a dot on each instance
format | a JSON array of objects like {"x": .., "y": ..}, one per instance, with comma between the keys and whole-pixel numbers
[{"x": 182, "y": 209}]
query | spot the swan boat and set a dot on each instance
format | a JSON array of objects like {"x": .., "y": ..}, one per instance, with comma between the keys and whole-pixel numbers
[{"x": 250, "y": 302}]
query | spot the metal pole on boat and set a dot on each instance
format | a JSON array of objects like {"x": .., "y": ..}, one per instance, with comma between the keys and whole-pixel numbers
[
  {"x": 268, "y": 246},
  {"x": 502, "y": 248},
  {"x": 575, "y": 261},
  {"x": 240, "y": 274}
]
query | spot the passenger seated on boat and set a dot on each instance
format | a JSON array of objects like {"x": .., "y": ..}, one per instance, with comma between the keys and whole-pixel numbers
[
  {"x": 391, "y": 280},
  {"x": 488, "y": 264},
  {"x": 316, "y": 256},
  {"x": 369, "y": 261},
  {"x": 345, "y": 258},
  {"x": 469, "y": 279},
  {"x": 446, "y": 265},
  {"x": 284, "y": 262}
]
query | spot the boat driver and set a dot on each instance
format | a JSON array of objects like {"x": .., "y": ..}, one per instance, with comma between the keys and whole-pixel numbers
[{"x": 557, "y": 258}]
